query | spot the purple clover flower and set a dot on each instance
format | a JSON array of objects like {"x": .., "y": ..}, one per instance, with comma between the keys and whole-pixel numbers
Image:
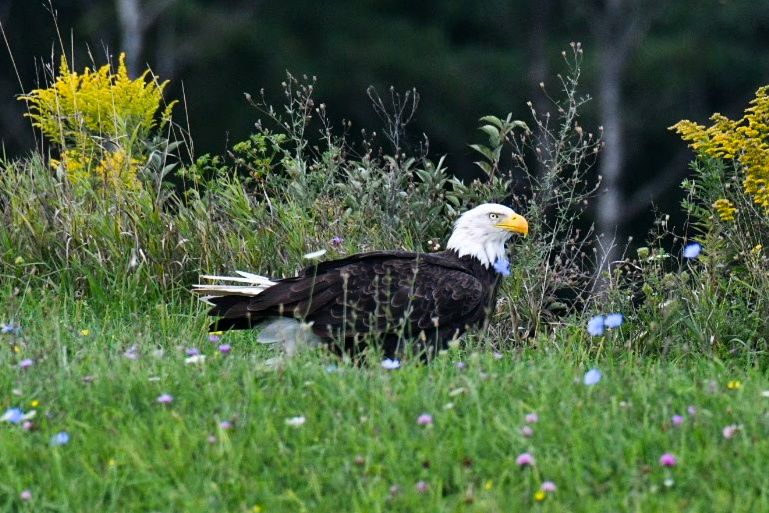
[
  {"x": 165, "y": 399},
  {"x": 425, "y": 419},
  {"x": 548, "y": 487},
  {"x": 668, "y": 460},
  {"x": 524, "y": 460}
]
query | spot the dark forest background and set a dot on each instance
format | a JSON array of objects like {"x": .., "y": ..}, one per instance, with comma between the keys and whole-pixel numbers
[{"x": 647, "y": 65}]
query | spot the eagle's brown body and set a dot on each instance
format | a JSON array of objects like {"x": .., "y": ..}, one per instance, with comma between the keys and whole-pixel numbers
[{"x": 393, "y": 295}]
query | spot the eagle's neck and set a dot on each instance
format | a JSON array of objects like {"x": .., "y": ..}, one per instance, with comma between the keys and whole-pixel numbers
[{"x": 486, "y": 250}]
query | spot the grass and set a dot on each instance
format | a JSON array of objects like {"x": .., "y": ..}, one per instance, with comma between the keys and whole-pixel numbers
[{"x": 599, "y": 444}]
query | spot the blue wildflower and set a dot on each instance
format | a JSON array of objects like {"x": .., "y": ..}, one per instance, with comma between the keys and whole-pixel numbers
[
  {"x": 391, "y": 364},
  {"x": 10, "y": 328},
  {"x": 61, "y": 438},
  {"x": 592, "y": 377},
  {"x": 692, "y": 250},
  {"x": 596, "y": 325},
  {"x": 502, "y": 266},
  {"x": 12, "y": 415},
  {"x": 613, "y": 320}
]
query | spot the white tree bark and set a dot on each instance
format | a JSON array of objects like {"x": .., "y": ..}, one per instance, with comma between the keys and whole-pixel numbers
[
  {"x": 129, "y": 14},
  {"x": 620, "y": 28}
]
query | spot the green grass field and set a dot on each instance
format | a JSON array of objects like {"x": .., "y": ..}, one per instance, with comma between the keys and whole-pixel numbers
[{"x": 361, "y": 447}]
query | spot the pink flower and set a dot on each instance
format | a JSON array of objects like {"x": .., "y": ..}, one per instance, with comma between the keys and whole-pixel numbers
[
  {"x": 677, "y": 420},
  {"x": 527, "y": 431},
  {"x": 225, "y": 348},
  {"x": 213, "y": 338},
  {"x": 668, "y": 460},
  {"x": 165, "y": 399},
  {"x": 425, "y": 419},
  {"x": 422, "y": 486},
  {"x": 730, "y": 430},
  {"x": 27, "y": 425},
  {"x": 532, "y": 418},
  {"x": 26, "y": 363},
  {"x": 524, "y": 460},
  {"x": 225, "y": 424},
  {"x": 692, "y": 410},
  {"x": 548, "y": 486},
  {"x": 25, "y": 495}
]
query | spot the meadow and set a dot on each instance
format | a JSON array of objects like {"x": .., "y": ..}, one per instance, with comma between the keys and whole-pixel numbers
[
  {"x": 114, "y": 396},
  {"x": 317, "y": 433}
]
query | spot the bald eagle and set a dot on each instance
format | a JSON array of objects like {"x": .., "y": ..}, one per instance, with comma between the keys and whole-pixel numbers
[{"x": 394, "y": 296}]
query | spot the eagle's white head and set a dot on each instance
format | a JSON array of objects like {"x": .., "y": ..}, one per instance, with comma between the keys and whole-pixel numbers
[{"x": 482, "y": 232}]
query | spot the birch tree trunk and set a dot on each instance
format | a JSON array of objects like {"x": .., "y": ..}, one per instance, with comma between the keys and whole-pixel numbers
[
  {"x": 129, "y": 13},
  {"x": 620, "y": 28}
]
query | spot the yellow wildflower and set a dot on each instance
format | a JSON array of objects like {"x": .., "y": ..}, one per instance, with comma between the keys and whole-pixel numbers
[
  {"x": 256, "y": 509},
  {"x": 34, "y": 403},
  {"x": 725, "y": 209},
  {"x": 85, "y": 332},
  {"x": 88, "y": 113},
  {"x": 734, "y": 384},
  {"x": 757, "y": 249},
  {"x": 539, "y": 495},
  {"x": 488, "y": 485},
  {"x": 743, "y": 140}
]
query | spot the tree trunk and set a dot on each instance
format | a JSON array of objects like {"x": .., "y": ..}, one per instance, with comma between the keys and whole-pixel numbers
[
  {"x": 539, "y": 67},
  {"x": 131, "y": 33},
  {"x": 612, "y": 157}
]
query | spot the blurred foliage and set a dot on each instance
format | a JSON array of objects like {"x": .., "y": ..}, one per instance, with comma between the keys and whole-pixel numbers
[{"x": 467, "y": 59}]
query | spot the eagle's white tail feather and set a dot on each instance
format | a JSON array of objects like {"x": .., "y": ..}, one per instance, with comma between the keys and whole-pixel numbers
[
  {"x": 256, "y": 284},
  {"x": 223, "y": 290}
]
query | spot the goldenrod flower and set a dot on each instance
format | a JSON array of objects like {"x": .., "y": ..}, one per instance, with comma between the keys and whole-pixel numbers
[
  {"x": 742, "y": 140},
  {"x": 725, "y": 209}
]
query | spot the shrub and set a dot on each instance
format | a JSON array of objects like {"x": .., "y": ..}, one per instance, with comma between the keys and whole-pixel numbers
[
  {"x": 295, "y": 185},
  {"x": 715, "y": 303},
  {"x": 101, "y": 121}
]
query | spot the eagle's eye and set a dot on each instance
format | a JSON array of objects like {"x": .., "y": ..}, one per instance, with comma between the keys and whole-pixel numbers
[{"x": 493, "y": 217}]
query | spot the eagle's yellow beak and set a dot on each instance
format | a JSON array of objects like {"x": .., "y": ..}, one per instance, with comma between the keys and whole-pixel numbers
[{"x": 515, "y": 224}]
